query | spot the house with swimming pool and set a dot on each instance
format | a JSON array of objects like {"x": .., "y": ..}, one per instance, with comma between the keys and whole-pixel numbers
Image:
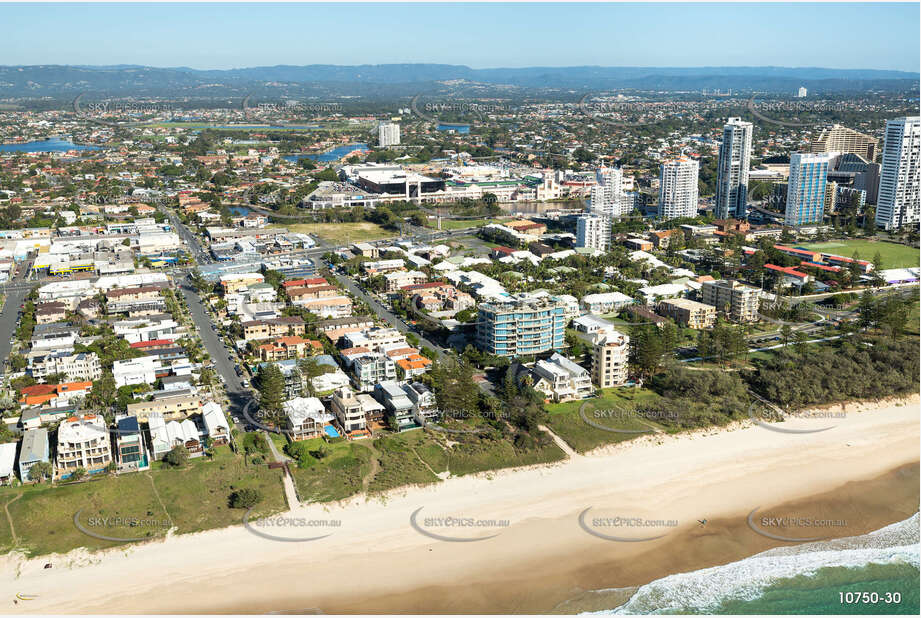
[{"x": 306, "y": 417}]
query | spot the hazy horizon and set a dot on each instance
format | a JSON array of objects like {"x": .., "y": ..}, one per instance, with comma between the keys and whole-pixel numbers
[{"x": 500, "y": 35}]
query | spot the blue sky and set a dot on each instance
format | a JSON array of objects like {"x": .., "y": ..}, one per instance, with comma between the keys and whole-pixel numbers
[{"x": 221, "y": 36}]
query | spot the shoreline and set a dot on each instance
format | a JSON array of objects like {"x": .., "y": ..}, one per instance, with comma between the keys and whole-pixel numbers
[{"x": 378, "y": 562}]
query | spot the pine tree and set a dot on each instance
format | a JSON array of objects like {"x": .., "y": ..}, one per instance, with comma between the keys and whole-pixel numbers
[{"x": 271, "y": 390}]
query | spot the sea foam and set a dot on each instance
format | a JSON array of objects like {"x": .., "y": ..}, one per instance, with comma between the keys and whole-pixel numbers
[{"x": 705, "y": 590}]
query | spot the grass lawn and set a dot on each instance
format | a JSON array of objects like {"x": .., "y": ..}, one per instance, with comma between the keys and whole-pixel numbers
[
  {"x": 455, "y": 224},
  {"x": 279, "y": 439},
  {"x": 459, "y": 224},
  {"x": 894, "y": 255},
  {"x": 611, "y": 409},
  {"x": 341, "y": 233},
  {"x": 191, "y": 499},
  {"x": 335, "y": 477}
]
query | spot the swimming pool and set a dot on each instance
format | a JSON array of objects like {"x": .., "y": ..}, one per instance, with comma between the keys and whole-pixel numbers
[{"x": 331, "y": 431}]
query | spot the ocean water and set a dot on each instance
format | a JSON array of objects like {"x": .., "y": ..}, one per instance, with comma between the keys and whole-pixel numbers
[{"x": 800, "y": 579}]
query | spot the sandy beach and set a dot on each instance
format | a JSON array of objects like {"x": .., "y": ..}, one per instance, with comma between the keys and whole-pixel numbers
[{"x": 693, "y": 491}]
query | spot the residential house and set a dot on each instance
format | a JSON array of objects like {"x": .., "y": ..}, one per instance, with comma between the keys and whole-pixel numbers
[
  {"x": 425, "y": 408},
  {"x": 560, "y": 379},
  {"x": 41, "y": 394},
  {"x": 348, "y": 410},
  {"x": 164, "y": 436},
  {"x": 399, "y": 406},
  {"x": 306, "y": 417},
  {"x": 131, "y": 452},
  {"x": 34, "y": 448},
  {"x": 46, "y": 313},
  {"x": 216, "y": 427},
  {"x": 7, "y": 463}
]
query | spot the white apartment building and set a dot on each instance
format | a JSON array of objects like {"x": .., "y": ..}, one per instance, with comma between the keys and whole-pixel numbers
[
  {"x": 607, "y": 199},
  {"x": 83, "y": 442},
  {"x": 732, "y": 170},
  {"x": 592, "y": 232},
  {"x": 610, "y": 353},
  {"x": 137, "y": 330},
  {"x": 900, "y": 174},
  {"x": 77, "y": 367},
  {"x": 678, "y": 188},
  {"x": 388, "y": 134},
  {"x": 376, "y": 339},
  {"x": 605, "y": 302},
  {"x": 134, "y": 371}
]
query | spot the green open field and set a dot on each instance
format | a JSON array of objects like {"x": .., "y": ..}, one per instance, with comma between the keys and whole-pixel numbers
[
  {"x": 894, "y": 255},
  {"x": 335, "y": 477},
  {"x": 613, "y": 408},
  {"x": 460, "y": 224},
  {"x": 340, "y": 233},
  {"x": 142, "y": 505}
]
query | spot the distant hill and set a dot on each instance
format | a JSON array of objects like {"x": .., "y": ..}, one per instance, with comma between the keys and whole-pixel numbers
[{"x": 394, "y": 80}]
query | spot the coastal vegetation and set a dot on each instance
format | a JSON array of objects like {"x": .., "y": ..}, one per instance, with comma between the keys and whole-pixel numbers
[{"x": 188, "y": 498}]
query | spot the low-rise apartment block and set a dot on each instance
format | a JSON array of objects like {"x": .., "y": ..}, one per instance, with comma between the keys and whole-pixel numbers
[
  {"x": 173, "y": 407},
  {"x": 273, "y": 327},
  {"x": 688, "y": 313},
  {"x": 736, "y": 300},
  {"x": 83, "y": 442}
]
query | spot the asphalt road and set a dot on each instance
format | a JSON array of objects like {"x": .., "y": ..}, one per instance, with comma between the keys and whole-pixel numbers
[
  {"x": 385, "y": 314},
  {"x": 198, "y": 253},
  {"x": 9, "y": 318},
  {"x": 224, "y": 362}
]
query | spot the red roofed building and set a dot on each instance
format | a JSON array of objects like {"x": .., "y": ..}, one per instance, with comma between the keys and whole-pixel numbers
[
  {"x": 824, "y": 267},
  {"x": 305, "y": 283},
  {"x": 498, "y": 252},
  {"x": 789, "y": 271},
  {"x": 155, "y": 344},
  {"x": 40, "y": 394}
]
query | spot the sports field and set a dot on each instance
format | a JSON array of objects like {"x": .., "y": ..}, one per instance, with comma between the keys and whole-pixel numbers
[{"x": 894, "y": 255}]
